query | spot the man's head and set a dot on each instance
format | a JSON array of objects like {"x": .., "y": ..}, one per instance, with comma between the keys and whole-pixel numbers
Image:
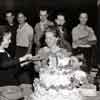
[
  {"x": 83, "y": 18},
  {"x": 21, "y": 18},
  {"x": 9, "y": 17},
  {"x": 43, "y": 15},
  {"x": 60, "y": 20}
]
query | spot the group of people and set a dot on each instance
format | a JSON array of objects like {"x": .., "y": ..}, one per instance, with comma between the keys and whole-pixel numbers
[{"x": 17, "y": 39}]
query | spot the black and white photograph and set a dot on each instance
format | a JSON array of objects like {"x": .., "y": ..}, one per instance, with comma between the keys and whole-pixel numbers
[{"x": 49, "y": 50}]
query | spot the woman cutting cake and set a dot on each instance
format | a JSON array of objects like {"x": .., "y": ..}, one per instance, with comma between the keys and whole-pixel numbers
[{"x": 59, "y": 75}]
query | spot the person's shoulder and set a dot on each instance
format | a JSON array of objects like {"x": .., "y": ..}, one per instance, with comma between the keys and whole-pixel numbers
[
  {"x": 29, "y": 27},
  {"x": 75, "y": 28},
  {"x": 37, "y": 25},
  {"x": 89, "y": 28},
  {"x": 44, "y": 49}
]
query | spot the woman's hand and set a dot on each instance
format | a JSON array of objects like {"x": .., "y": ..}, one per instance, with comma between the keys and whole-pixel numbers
[
  {"x": 27, "y": 57},
  {"x": 37, "y": 58}
]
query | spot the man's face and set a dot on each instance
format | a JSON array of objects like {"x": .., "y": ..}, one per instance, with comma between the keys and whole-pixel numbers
[
  {"x": 21, "y": 18},
  {"x": 60, "y": 20},
  {"x": 83, "y": 18},
  {"x": 10, "y": 17},
  {"x": 43, "y": 16}
]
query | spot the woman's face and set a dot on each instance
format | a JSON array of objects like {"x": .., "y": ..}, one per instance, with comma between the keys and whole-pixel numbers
[
  {"x": 50, "y": 39},
  {"x": 6, "y": 40}
]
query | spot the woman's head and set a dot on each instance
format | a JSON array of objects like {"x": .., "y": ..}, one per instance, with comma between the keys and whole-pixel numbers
[
  {"x": 5, "y": 36},
  {"x": 51, "y": 36}
]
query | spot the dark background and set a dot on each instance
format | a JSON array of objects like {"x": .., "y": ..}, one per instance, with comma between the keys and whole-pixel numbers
[{"x": 70, "y": 8}]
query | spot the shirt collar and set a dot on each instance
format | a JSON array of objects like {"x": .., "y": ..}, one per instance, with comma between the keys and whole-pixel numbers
[
  {"x": 44, "y": 22},
  {"x": 25, "y": 24},
  {"x": 2, "y": 51}
]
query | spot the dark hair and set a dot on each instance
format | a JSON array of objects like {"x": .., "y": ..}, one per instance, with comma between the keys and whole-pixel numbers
[
  {"x": 21, "y": 12},
  {"x": 3, "y": 30},
  {"x": 52, "y": 29},
  {"x": 60, "y": 14},
  {"x": 9, "y": 11},
  {"x": 83, "y": 13},
  {"x": 43, "y": 9}
]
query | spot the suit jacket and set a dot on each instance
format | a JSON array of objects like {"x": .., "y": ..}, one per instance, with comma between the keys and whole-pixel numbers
[
  {"x": 8, "y": 69},
  {"x": 64, "y": 36}
]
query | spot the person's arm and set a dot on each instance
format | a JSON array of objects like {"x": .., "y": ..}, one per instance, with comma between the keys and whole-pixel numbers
[
  {"x": 75, "y": 38},
  {"x": 31, "y": 35},
  {"x": 41, "y": 63},
  {"x": 92, "y": 37},
  {"x": 6, "y": 63},
  {"x": 37, "y": 65},
  {"x": 37, "y": 35},
  {"x": 9, "y": 62}
]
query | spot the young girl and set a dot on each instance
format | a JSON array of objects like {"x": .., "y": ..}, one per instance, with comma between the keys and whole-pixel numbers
[{"x": 8, "y": 65}]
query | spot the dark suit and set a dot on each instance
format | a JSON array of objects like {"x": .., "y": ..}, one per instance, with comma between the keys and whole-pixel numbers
[
  {"x": 64, "y": 36},
  {"x": 8, "y": 69},
  {"x": 12, "y": 47}
]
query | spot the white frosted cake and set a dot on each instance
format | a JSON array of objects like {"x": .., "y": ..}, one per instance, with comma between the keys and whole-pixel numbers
[
  {"x": 55, "y": 86},
  {"x": 58, "y": 81},
  {"x": 55, "y": 82}
]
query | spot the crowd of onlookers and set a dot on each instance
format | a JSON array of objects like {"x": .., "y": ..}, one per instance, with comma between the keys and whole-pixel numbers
[
  {"x": 25, "y": 40},
  {"x": 82, "y": 38}
]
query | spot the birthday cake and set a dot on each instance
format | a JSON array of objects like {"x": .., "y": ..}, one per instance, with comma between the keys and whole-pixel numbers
[{"x": 58, "y": 81}]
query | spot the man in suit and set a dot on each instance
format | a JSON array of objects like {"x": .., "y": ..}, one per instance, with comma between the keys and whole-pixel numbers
[
  {"x": 9, "y": 16},
  {"x": 61, "y": 28}
]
